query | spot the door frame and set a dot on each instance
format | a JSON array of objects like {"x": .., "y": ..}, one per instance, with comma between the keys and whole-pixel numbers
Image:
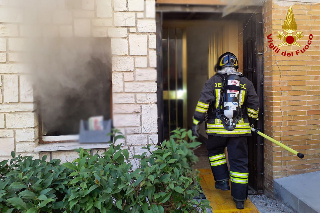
[{"x": 259, "y": 186}]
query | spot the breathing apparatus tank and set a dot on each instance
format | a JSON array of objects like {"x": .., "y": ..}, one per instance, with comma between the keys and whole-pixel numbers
[{"x": 229, "y": 112}]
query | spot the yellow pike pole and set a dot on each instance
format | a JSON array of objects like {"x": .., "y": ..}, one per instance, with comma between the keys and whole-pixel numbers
[{"x": 300, "y": 155}]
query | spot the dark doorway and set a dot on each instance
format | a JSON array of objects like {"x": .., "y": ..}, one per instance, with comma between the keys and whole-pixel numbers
[{"x": 253, "y": 69}]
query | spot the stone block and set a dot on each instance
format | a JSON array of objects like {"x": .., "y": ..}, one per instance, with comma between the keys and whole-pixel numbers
[
  {"x": 65, "y": 31},
  {"x": 44, "y": 17},
  {"x": 146, "y": 26},
  {"x": 20, "y": 120},
  {"x": 104, "y": 8},
  {"x": 98, "y": 151},
  {"x": 6, "y": 146},
  {"x": 140, "y": 87},
  {"x": 135, "y": 163},
  {"x": 3, "y": 43},
  {"x": 117, "y": 82},
  {"x": 50, "y": 31},
  {"x": 12, "y": 68},
  {"x": 126, "y": 108},
  {"x": 5, "y": 158},
  {"x": 150, "y": 9},
  {"x": 146, "y": 74},
  {"x": 140, "y": 15},
  {"x": 133, "y": 29},
  {"x": 138, "y": 44},
  {"x": 18, "y": 107},
  {"x": 30, "y": 31},
  {"x": 122, "y": 98},
  {"x": 138, "y": 139},
  {"x": 119, "y": 64},
  {"x": 153, "y": 139},
  {"x": 15, "y": 57},
  {"x": 25, "y": 146},
  {"x": 82, "y": 27},
  {"x": 123, "y": 120},
  {"x": 33, "y": 155},
  {"x": 62, "y": 17},
  {"x": 133, "y": 130},
  {"x": 100, "y": 32},
  {"x": 120, "y": 5},
  {"x": 65, "y": 156},
  {"x": 102, "y": 22},
  {"x": 152, "y": 42},
  {"x": 130, "y": 150},
  {"x": 25, "y": 135},
  {"x": 48, "y": 154},
  {"x": 141, "y": 62},
  {"x": 2, "y": 121},
  {"x": 152, "y": 58},
  {"x": 3, "y": 57},
  {"x": 128, "y": 76},
  {"x": 138, "y": 150},
  {"x": 149, "y": 118},
  {"x": 117, "y": 32},
  {"x": 124, "y": 19},
  {"x": 11, "y": 15},
  {"x": 26, "y": 90},
  {"x": 10, "y": 88},
  {"x": 83, "y": 14},
  {"x": 6, "y": 134},
  {"x": 120, "y": 141},
  {"x": 16, "y": 44},
  {"x": 88, "y": 4},
  {"x": 136, "y": 5},
  {"x": 8, "y": 30},
  {"x": 147, "y": 98},
  {"x": 119, "y": 46}
]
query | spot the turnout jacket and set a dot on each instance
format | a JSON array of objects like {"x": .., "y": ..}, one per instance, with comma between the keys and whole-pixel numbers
[{"x": 209, "y": 101}]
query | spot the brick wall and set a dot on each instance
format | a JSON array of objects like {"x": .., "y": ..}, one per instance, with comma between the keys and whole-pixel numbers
[
  {"x": 131, "y": 26},
  {"x": 292, "y": 93}
]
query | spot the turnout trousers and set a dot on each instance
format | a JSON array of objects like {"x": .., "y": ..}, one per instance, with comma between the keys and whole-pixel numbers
[{"x": 238, "y": 159}]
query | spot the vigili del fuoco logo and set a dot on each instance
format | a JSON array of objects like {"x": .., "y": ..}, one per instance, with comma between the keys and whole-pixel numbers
[{"x": 290, "y": 37}]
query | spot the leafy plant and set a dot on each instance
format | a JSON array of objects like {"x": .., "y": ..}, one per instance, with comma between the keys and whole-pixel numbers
[
  {"x": 163, "y": 182},
  {"x": 169, "y": 180},
  {"x": 28, "y": 185}
]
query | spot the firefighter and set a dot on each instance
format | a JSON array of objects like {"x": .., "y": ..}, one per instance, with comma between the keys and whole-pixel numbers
[{"x": 228, "y": 104}]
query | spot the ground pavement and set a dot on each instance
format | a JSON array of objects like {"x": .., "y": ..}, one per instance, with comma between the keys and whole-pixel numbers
[{"x": 221, "y": 201}]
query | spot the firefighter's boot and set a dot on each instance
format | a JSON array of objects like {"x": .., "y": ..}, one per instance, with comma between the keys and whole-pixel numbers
[
  {"x": 223, "y": 185},
  {"x": 239, "y": 204}
]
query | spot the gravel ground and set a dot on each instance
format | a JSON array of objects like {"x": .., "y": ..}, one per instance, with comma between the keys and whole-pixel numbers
[{"x": 268, "y": 205}]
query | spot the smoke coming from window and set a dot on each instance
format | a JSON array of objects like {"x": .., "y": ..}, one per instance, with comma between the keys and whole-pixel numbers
[
  {"x": 72, "y": 81},
  {"x": 70, "y": 70}
]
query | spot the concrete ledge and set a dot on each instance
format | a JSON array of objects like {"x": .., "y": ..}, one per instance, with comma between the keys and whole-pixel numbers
[
  {"x": 300, "y": 192},
  {"x": 52, "y": 147}
]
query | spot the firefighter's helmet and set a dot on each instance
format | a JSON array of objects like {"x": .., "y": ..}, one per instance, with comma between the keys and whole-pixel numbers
[{"x": 227, "y": 59}]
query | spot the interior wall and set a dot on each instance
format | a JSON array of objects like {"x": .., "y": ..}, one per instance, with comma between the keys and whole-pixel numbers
[{"x": 197, "y": 56}]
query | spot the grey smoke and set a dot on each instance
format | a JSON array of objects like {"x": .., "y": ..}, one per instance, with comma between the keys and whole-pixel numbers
[
  {"x": 72, "y": 81},
  {"x": 71, "y": 76}
]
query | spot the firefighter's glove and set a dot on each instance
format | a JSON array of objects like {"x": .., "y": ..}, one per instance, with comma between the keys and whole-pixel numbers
[
  {"x": 253, "y": 122},
  {"x": 195, "y": 130}
]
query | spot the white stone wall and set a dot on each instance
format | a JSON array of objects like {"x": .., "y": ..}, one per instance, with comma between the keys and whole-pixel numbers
[{"x": 131, "y": 26}]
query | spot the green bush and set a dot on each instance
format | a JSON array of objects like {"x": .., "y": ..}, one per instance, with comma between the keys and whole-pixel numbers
[
  {"x": 163, "y": 181},
  {"x": 28, "y": 185}
]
